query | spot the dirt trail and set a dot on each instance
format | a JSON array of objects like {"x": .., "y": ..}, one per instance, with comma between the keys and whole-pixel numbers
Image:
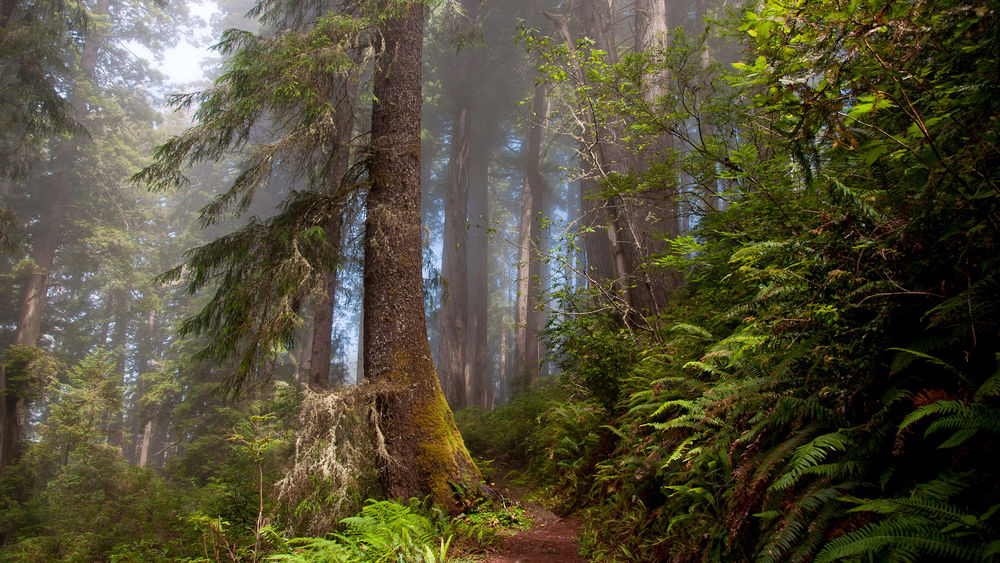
[{"x": 552, "y": 540}]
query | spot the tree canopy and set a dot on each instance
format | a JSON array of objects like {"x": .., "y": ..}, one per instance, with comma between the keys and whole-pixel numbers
[{"x": 719, "y": 281}]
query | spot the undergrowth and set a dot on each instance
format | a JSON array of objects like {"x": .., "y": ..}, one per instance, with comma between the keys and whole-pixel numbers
[{"x": 827, "y": 385}]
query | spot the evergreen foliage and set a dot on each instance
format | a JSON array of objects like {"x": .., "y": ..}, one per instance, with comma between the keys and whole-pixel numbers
[{"x": 825, "y": 387}]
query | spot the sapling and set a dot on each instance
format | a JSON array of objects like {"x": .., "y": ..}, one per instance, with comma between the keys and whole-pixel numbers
[{"x": 257, "y": 436}]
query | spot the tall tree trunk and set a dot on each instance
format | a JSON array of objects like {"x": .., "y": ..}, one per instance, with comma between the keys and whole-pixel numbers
[
  {"x": 526, "y": 355},
  {"x": 603, "y": 215},
  {"x": 652, "y": 216},
  {"x": 322, "y": 333},
  {"x": 598, "y": 156},
  {"x": 147, "y": 438},
  {"x": 33, "y": 294},
  {"x": 453, "y": 352},
  {"x": 142, "y": 420},
  {"x": 119, "y": 341},
  {"x": 359, "y": 367},
  {"x": 454, "y": 267},
  {"x": 477, "y": 352},
  {"x": 504, "y": 354},
  {"x": 321, "y": 343},
  {"x": 427, "y": 451}
]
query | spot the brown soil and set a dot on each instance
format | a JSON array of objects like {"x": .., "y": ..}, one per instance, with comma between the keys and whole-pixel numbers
[
  {"x": 552, "y": 540},
  {"x": 546, "y": 543}
]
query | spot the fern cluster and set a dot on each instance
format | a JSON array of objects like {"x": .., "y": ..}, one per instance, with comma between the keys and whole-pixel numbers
[
  {"x": 826, "y": 386},
  {"x": 383, "y": 531}
]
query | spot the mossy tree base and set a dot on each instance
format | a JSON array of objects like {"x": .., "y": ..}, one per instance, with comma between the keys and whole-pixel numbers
[{"x": 427, "y": 451}]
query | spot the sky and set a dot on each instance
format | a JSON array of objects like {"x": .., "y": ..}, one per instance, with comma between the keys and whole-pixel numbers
[{"x": 184, "y": 63}]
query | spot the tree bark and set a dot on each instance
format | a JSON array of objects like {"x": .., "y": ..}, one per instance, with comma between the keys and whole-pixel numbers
[
  {"x": 119, "y": 337},
  {"x": 426, "y": 449},
  {"x": 321, "y": 348},
  {"x": 454, "y": 265},
  {"x": 526, "y": 356},
  {"x": 477, "y": 352},
  {"x": 322, "y": 333},
  {"x": 32, "y": 304},
  {"x": 652, "y": 216},
  {"x": 504, "y": 354},
  {"x": 453, "y": 350},
  {"x": 147, "y": 437},
  {"x": 142, "y": 425}
]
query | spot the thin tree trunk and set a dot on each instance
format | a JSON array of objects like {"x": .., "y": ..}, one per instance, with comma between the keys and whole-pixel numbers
[
  {"x": 147, "y": 437},
  {"x": 503, "y": 354},
  {"x": 322, "y": 333},
  {"x": 142, "y": 425},
  {"x": 427, "y": 451},
  {"x": 119, "y": 340},
  {"x": 359, "y": 368},
  {"x": 453, "y": 351},
  {"x": 321, "y": 346}
]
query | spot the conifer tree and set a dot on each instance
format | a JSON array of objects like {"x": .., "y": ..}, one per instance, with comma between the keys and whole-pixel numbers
[{"x": 427, "y": 450}]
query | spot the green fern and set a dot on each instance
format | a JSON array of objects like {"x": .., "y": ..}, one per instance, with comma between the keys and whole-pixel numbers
[
  {"x": 385, "y": 530},
  {"x": 798, "y": 531},
  {"x": 908, "y": 355},
  {"x": 990, "y": 387},
  {"x": 964, "y": 420},
  {"x": 808, "y": 459},
  {"x": 925, "y": 523},
  {"x": 908, "y": 540}
]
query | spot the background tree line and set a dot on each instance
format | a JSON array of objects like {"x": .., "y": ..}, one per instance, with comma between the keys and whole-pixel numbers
[{"x": 738, "y": 261}]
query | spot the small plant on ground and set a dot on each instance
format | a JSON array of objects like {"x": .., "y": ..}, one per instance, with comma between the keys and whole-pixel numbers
[{"x": 383, "y": 531}]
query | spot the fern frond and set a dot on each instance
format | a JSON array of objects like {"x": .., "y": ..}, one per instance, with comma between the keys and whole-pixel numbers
[
  {"x": 691, "y": 406},
  {"x": 906, "y": 540},
  {"x": 687, "y": 329},
  {"x": 855, "y": 200},
  {"x": 810, "y": 455},
  {"x": 963, "y": 418},
  {"x": 898, "y": 365},
  {"x": 928, "y": 507},
  {"x": 802, "y": 527},
  {"x": 707, "y": 368},
  {"x": 752, "y": 253},
  {"x": 989, "y": 388}
]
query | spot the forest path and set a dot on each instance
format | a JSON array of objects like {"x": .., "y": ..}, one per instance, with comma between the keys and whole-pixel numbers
[{"x": 552, "y": 540}]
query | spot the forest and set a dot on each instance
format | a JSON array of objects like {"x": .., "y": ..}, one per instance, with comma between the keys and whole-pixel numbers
[{"x": 378, "y": 280}]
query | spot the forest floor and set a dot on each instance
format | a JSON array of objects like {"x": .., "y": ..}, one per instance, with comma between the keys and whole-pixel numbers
[{"x": 551, "y": 540}]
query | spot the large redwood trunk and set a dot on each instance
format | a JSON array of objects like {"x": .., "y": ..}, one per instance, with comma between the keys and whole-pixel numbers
[
  {"x": 453, "y": 351},
  {"x": 477, "y": 382},
  {"x": 427, "y": 451},
  {"x": 526, "y": 355},
  {"x": 454, "y": 267},
  {"x": 652, "y": 216}
]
